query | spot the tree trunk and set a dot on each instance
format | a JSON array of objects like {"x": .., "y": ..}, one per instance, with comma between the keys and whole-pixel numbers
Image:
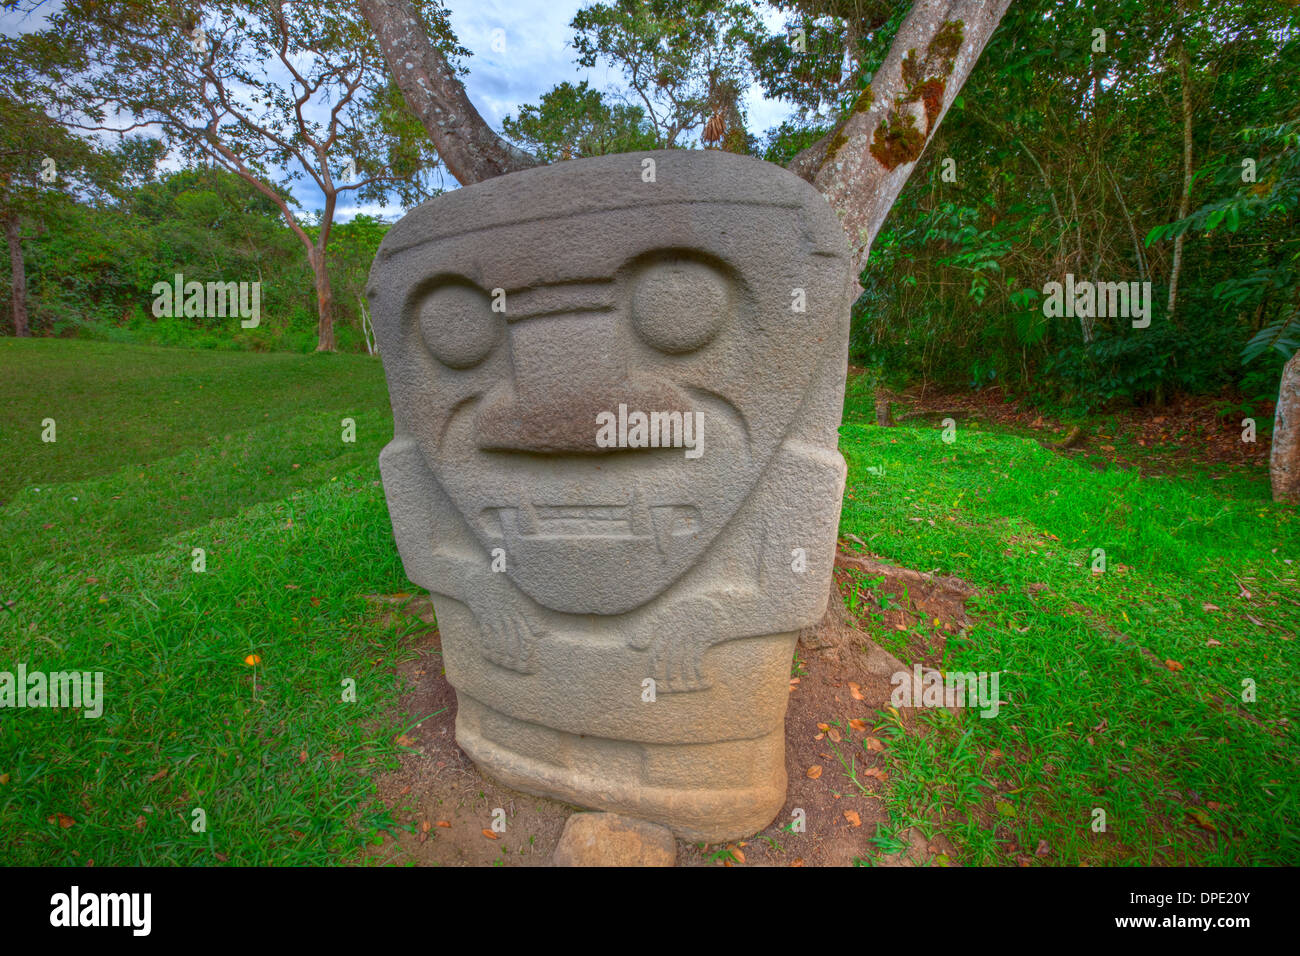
[
  {"x": 862, "y": 165},
  {"x": 883, "y": 416},
  {"x": 324, "y": 302},
  {"x": 17, "y": 275},
  {"x": 1184, "y": 204},
  {"x": 1284, "y": 459},
  {"x": 470, "y": 149}
]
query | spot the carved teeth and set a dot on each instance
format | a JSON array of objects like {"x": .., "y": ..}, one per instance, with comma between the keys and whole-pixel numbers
[{"x": 633, "y": 521}]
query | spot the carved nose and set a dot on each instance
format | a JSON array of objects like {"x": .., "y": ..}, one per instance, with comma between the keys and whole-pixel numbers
[{"x": 567, "y": 371}]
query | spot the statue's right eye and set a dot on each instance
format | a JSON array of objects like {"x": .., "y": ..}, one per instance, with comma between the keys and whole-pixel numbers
[{"x": 457, "y": 323}]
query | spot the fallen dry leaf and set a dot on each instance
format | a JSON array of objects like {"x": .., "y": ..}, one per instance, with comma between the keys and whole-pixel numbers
[
  {"x": 853, "y": 818},
  {"x": 445, "y": 824},
  {"x": 857, "y": 723},
  {"x": 814, "y": 771},
  {"x": 1173, "y": 665},
  {"x": 823, "y": 727},
  {"x": 62, "y": 819},
  {"x": 159, "y": 775},
  {"x": 834, "y": 735},
  {"x": 876, "y": 772},
  {"x": 872, "y": 743},
  {"x": 405, "y": 741},
  {"x": 738, "y": 855},
  {"x": 856, "y": 691},
  {"x": 489, "y": 834}
]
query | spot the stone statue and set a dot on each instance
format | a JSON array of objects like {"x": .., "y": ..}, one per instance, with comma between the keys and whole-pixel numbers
[{"x": 617, "y": 384}]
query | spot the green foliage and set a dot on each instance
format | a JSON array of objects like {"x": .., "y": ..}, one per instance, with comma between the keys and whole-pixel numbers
[
  {"x": 571, "y": 122},
  {"x": 835, "y": 34},
  {"x": 1262, "y": 199},
  {"x": 92, "y": 269},
  {"x": 1062, "y": 160},
  {"x": 789, "y": 139},
  {"x": 685, "y": 60}
]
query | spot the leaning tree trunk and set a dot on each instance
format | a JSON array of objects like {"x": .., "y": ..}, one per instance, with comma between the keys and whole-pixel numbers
[
  {"x": 17, "y": 275},
  {"x": 1284, "y": 460},
  {"x": 470, "y": 149},
  {"x": 862, "y": 165},
  {"x": 324, "y": 302}
]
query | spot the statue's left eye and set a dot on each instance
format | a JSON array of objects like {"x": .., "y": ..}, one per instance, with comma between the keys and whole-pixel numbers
[
  {"x": 457, "y": 323},
  {"x": 679, "y": 303}
]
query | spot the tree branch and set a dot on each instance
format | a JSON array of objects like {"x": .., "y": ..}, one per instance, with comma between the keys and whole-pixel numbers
[{"x": 465, "y": 143}]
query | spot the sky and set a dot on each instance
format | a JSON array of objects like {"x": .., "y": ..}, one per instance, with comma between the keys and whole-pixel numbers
[{"x": 535, "y": 55}]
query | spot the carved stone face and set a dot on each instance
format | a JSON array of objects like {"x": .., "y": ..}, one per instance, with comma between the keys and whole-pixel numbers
[{"x": 677, "y": 295}]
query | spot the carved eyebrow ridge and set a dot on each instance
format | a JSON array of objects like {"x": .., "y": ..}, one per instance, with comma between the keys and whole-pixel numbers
[{"x": 560, "y": 298}]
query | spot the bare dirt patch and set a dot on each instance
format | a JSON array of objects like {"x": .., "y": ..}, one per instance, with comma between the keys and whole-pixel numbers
[{"x": 1204, "y": 429}]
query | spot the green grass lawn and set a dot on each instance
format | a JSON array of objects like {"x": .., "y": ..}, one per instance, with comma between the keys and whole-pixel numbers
[
  {"x": 1201, "y": 571},
  {"x": 96, "y": 574}
]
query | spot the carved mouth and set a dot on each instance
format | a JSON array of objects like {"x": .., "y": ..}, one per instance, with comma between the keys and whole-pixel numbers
[{"x": 633, "y": 521}]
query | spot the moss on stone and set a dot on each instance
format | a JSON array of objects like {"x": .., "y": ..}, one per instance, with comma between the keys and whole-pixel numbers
[{"x": 897, "y": 141}]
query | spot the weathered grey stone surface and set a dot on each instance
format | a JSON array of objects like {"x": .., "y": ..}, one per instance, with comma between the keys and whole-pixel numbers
[
  {"x": 607, "y": 839},
  {"x": 620, "y": 565}
]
